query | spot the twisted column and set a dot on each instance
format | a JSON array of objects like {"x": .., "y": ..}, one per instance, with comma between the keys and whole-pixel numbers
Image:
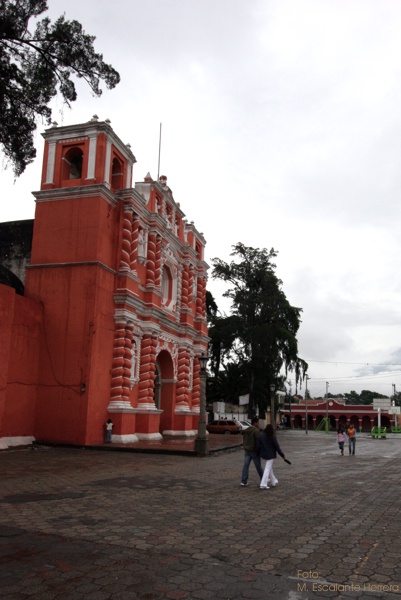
[
  {"x": 185, "y": 286},
  {"x": 125, "y": 260},
  {"x": 134, "y": 242},
  {"x": 147, "y": 370},
  {"x": 203, "y": 290},
  {"x": 183, "y": 375},
  {"x": 158, "y": 260},
  {"x": 150, "y": 271},
  {"x": 127, "y": 357},
  {"x": 196, "y": 385},
  {"x": 199, "y": 296},
  {"x": 190, "y": 283},
  {"x": 117, "y": 372}
]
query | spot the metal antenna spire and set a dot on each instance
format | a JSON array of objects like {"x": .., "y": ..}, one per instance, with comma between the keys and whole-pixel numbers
[{"x": 160, "y": 143}]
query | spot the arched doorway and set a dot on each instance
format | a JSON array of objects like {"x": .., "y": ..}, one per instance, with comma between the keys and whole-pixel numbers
[
  {"x": 165, "y": 390},
  {"x": 355, "y": 421},
  {"x": 297, "y": 422},
  {"x": 385, "y": 422},
  {"x": 366, "y": 423}
]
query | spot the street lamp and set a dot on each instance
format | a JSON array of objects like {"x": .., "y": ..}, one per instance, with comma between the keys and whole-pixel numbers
[
  {"x": 306, "y": 404},
  {"x": 272, "y": 390},
  {"x": 201, "y": 442}
]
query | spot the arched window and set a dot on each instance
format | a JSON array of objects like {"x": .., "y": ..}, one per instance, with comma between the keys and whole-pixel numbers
[
  {"x": 117, "y": 174},
  {"x": 73, "y": 159}
]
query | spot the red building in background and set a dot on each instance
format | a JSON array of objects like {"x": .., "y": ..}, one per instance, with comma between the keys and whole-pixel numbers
[
  {"x": 363, "y": 416},
  {"x": 113, "y": 314}
]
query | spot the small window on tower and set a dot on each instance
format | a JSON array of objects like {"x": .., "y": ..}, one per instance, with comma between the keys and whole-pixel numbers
[
  {"x": 117, "y": 174},
  {"x": 73, "y": 163}
]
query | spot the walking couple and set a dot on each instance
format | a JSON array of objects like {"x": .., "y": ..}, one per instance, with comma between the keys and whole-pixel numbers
[{"x": 259, "y": 445}]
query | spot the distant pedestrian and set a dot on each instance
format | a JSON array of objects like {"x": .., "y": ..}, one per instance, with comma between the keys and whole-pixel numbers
[
  {"x": 351, "y": 432},
  {"x": 341, "y": 439},
  {"x": 268, "y": 448},
  {"x": 250, "y": 437},
  {"x": 109, "y": 430}
]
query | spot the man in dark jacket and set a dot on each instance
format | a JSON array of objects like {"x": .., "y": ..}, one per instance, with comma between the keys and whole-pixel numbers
[{"x": 250, "y": 437}]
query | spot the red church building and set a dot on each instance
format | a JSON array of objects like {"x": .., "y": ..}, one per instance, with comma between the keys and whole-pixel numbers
[{"x": 113, "y": 316}]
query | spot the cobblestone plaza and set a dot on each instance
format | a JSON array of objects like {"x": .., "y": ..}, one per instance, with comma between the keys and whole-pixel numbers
[{"x": 108, "y": 525}]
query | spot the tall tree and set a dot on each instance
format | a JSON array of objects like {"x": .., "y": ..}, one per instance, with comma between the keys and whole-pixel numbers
[
  {"x": 265, "y": 324},
  {"x": 35, "y": 67}
]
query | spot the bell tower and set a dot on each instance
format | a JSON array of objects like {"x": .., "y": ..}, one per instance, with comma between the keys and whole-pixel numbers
[
  {"x": 86, "y": 154},
  {"x": 75, "y": 257}
]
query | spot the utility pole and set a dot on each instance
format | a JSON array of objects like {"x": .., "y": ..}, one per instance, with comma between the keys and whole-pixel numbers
[
  {"x": 272, "y": 398},
  {"x": 327, "y": 402},
  {"x": 306, "y": 403}
]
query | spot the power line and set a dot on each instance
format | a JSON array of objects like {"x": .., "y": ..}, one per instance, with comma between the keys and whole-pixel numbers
[
  {"x": 393, "y": 374},
  {"x": 366, "y": 364}
]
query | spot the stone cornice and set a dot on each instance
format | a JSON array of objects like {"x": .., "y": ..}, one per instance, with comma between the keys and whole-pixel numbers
[
  {"x": 76, "y": 193},
  {"x": 89, "y": 129},
  {"x": 84, "y": 263}
]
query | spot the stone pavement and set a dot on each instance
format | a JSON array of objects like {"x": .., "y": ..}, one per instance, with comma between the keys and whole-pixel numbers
[{"x": 107, "y": 525}]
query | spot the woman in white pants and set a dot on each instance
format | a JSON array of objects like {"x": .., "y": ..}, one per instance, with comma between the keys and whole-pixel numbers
[{"x": 268, "y": 448}]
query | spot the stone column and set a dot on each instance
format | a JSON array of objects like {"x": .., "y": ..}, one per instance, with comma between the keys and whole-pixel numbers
[
  {"x": 134, "y": 242},
  {"x": 147, "y": 372},
  {"x": 125, "y": 260},
  {"x": 185, "y": 287},
  {"x": 121, "y": 366},
  {"x": 196, "y": 386},
  {"x": 183, "y": 378},
  {"x": 150, "y": 271},
  {"x": 158, "y": 260}
]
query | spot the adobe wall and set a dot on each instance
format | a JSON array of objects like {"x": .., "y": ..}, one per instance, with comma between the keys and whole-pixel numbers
[
  {"x": 20, "y": 342},
  {"x": 74, "y": 384}
]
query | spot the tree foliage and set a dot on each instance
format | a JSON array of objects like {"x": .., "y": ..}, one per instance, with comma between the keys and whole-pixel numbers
[
  {"x": 260, "y": 334},
  {"x": 34, "y": 67},
  {"x": 365, "y": 397}
]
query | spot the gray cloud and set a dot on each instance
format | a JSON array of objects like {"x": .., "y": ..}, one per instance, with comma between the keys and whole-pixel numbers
[{"x": 281, "y": 128}]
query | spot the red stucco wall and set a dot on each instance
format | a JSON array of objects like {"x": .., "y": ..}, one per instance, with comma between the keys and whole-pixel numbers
[{"x": 20, "y": 343}]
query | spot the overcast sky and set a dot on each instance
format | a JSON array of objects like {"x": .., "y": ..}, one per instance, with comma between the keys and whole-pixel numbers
[{"x": 281, "y": 127}]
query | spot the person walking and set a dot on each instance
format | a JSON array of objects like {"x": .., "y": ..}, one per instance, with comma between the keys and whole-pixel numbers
[
  {"x": 351, "y": 432},
  {"x": 250, "y": 437},
  {"x": 268, "y": 448},
  {"x": 341, "y": 439}
]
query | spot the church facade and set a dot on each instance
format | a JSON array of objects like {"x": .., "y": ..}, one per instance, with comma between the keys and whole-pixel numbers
[{"x": 115, "y": 290}]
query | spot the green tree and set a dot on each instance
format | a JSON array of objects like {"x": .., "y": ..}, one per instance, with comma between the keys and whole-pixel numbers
[
  {"x": 365, "y": 397},
  {"x": 35, "y": 67},
  {"x": 263, "y": 324},
  {"x": 227, "y": 384}
]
